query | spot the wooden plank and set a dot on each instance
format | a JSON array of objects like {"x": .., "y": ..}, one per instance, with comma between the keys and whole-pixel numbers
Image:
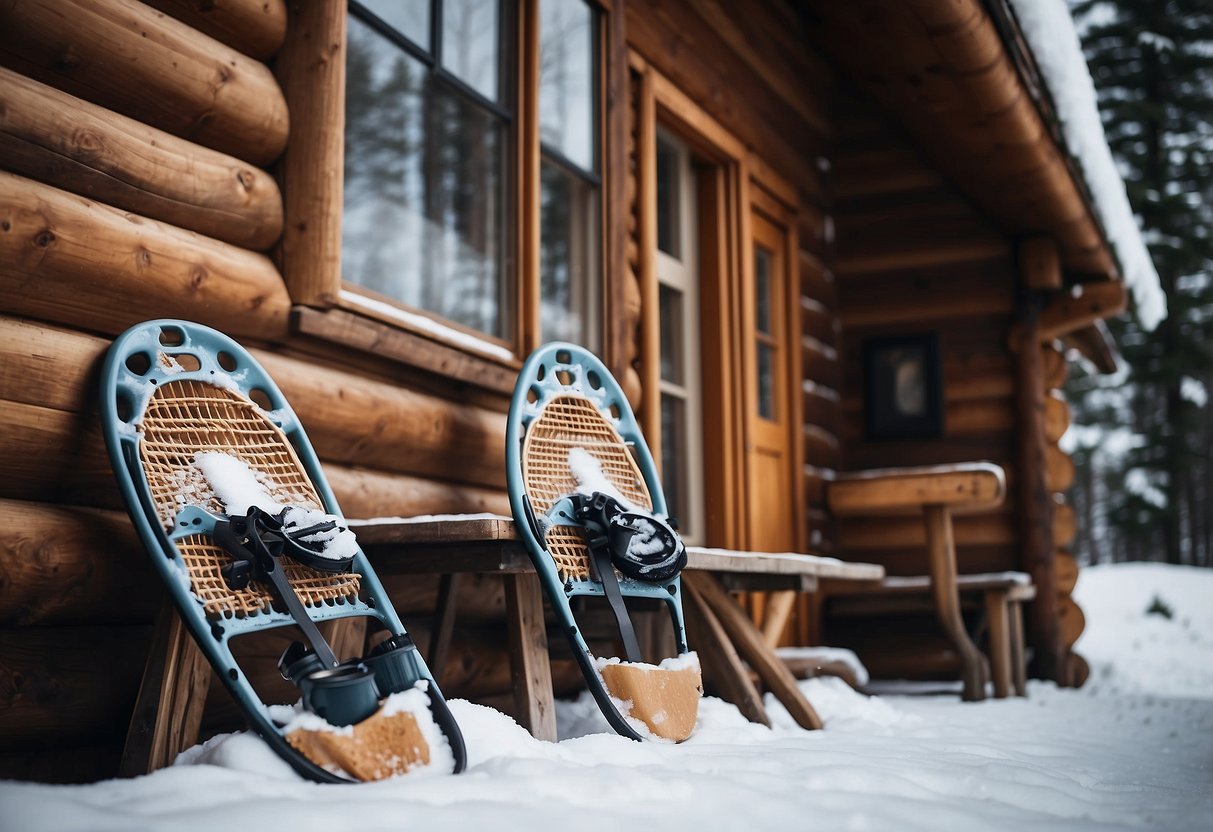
[
  {"x": 976, "y": 486},
  {"x": 529, "y": 664},
  {"x": 908, "y": 585},
  {"x": 71, "y": 144},
  {"x": 365, "y": 493},
  {"x": 620, "y": 346},
  {"x": 750, "y": 644},
  {"x": 1019, "y": 663},
  {"x": 999, "y": 624},
  {"x": 722, "y": 667},
  {"x": 311, "y": 70},
  {"x": 255, "y": 27},
  {"x": 172, "y": 695},
  {"x": 778, "y": 614},
  {"x": 368, "y": 335},
  {"x": 444, "y": 625},
  {"x": 71, "y": 261},
  {"x": 916, "y": 257},
  {"x": 1040, "y": 264},
  {"x": 127, "y": 57}
]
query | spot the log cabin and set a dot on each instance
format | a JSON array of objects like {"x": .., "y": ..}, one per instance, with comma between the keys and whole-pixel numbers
[{"x": 809, "y": 238}]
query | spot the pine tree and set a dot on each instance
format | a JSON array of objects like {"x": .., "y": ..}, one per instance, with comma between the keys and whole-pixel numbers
[{"x": 1152, "y": 62}]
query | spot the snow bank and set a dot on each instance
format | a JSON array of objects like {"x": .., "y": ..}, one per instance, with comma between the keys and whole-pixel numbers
[
  {"x": 1102, "y": 758},
  {"x": 1049, "y": 30}
]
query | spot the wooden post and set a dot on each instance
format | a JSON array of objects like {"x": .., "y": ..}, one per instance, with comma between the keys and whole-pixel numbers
[
  {"x": 778, "y": 611},
  {"x": 941, "y": 550},
  {"x": 998, "y": 619},
  {"x": 168, "y": 711},
  {"x": 530, "y": 666},
  {"x": 444, "y": 625},
  {"x": 1034, "y": 501},
  {"x": 721, "y": 664}
]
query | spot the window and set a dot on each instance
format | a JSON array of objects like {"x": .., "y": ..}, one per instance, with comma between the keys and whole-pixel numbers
[
  {"x": 430, "y": 137},
  {"x": 678, "y": 315},
  {"x": 569, "y": 183}
]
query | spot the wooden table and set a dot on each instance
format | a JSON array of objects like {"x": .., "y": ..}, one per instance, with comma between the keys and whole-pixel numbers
[{"x": 720, "y": 630}]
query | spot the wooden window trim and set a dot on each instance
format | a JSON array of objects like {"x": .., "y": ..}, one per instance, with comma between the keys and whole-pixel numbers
[{"x": 311, "y": 175}]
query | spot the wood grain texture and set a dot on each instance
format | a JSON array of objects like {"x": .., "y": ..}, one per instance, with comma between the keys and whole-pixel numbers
[
  {"x": 128, "y": 57},
  {"x": 723, "y": 669},
  {"x": 69, "y": 260},
  {"x": 529, "y": 664},
  {"x": 973, "y": 487},
  {"x": 61, "y": 140},
  {"x": 255, "y": 27},
  {"x": 941, "y": 558}
]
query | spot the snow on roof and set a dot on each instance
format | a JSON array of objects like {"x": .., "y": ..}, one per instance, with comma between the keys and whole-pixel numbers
[{"x": 1049, "y": 31}]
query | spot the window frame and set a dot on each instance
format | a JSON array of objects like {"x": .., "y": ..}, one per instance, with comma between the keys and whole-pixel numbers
[{"x": 312, "y": 181}]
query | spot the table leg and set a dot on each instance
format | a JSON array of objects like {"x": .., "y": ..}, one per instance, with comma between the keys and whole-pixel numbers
[
  {"x": 444, "y": 625},
  {"x": 172, "y": 696},
  {"x": 719, "y": 658},
  {"x": 530, "y": 665},
  {"x": 1019, "y": 662}
]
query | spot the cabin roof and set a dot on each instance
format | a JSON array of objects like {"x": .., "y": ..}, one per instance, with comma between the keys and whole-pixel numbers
[{"x": 999, "y": 98}]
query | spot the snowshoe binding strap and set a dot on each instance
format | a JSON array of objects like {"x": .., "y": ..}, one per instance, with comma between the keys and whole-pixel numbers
[
  {"x": 256, "y": 544},
  {"x": 641, "y": 546}
]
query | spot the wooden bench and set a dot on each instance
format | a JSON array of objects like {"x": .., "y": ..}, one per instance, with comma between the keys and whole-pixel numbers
[
  {"x": 1001, "y": 594},
  {"x": 718, "y": 628},
  {"x": 936, "y": 493}
]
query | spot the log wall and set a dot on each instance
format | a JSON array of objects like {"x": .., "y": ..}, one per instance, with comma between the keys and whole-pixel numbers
[{"x": 139, "y": 147}]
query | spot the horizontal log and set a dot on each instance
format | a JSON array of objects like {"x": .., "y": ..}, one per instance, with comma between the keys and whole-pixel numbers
[
  {"x": 911, "y": 305},
  {"x": 70, "y": 260},
  {"x": 1071, "y": 620},
  {"x": 70, "y": 764},
  {"x": 961, "y": 250},
  {"x": 863, "y": 534},
  {"x": 1055, "y": 367},
  {"x": 819, "y": 362},
  {"x": 817, "y": 281},
  {"x": 48, "y": 366},
  {"x": 970, "y": 558},
  {"x": 72, "y": 566},
  {"x": 478, "y": 597},
  {"x": 127, "y": 57},
  {"x": 1057, "y": 417},
  {"x": 821, "y": 448},
  {"x": 1059, "y": 469},
  {"x": 817, "y": 320},
  {"x": 1065, "y": 566},
  {"x": 1065, "y": 524},
  {"x": 54, "y": 456},
  {"x": 821, "y": 407},
  {"x": 366, "y": 493},
  {"x": 64, "y": 141},
  {"x": 66, "y": 686},
  {"x": 815, "y": 481},
  {"x": 1076, "y": 310},
  {"x": 997, "y": 449},
  {"x": 255, "y": 27},
  {"x": 1040, "y": 264},
  {"x": 359, "y": 421}
]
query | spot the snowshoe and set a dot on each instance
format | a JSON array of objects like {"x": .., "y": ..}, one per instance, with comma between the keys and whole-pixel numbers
[
  {"x": 589, "y": 506},
  {"x": 229, "y": 498}
]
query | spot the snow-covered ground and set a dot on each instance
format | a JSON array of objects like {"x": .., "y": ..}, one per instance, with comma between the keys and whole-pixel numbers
[{"x": 1133, "y": 750}]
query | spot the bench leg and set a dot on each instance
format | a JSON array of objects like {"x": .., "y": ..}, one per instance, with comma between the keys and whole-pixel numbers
[
  {"x": 721, "y": 664},
  {"x": 1019, "y": 662},
  {"x": 444, "y": 625},
  {"x": 998, "y": 617},
  {"x": 749, "y": 643},
  {"x": 530, "y": 665},
  {"x": 941, "y": 549},
  {"x": 172, "y": 696},
  {"x": 778, "y": 613}
]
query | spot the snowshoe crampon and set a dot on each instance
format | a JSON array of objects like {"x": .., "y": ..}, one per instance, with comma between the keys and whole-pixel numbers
[
  {"x": 589, "y": 506},
  {"x": 228, "y": 496}
]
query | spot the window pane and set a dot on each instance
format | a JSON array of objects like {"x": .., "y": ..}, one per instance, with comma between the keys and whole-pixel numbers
[
  {"x": 566, "y": 79},
  {"x": 670, "y": 311},
  {"x": 410, "y": 18},
  {"x": 423, "y": 189},
  {"x": 766, "y": 381},
  {"x": 470, "y": 43},
  {"x": 762, "y": 289},
  {"x": 668, "y": 228},
  {"x": 567, "y": 257},
  {"x": 674, "y": 458}
]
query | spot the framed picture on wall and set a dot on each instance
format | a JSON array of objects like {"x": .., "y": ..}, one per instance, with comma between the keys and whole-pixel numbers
[{"x": 903, "y": 387}]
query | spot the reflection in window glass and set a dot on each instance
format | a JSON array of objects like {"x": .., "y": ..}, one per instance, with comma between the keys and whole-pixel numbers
[
  {"x": 568, "y": 223},
  {"x": 667, "y": 200},
  {"x": 766, "y": 381},
  {"x": 566, "y": 79},
  {"x": 423, "y": 188},
  {"x": 673, "y": 456},
  {"x": 670, "y": 313},
  {"x": 762, "y": 289},
  {"x": 470, "y": 43},
  {"x": 410, "y": 18}
]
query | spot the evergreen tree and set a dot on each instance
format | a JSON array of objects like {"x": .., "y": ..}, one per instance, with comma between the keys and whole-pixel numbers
[{"x": 1152, "y": 62}]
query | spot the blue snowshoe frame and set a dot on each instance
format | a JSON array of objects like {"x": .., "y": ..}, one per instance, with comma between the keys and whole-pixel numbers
[
  {"x": 125, "y": 395},
  {"x": 540, "y": 379}
]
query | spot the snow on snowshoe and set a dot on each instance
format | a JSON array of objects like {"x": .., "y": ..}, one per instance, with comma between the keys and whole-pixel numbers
[
  {"x": 230, "y": 500},
  {"x": 589, "y": 506}
]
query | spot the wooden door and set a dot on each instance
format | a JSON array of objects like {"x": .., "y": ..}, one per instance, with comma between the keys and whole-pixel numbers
[{"x": 767, "y": 333}]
